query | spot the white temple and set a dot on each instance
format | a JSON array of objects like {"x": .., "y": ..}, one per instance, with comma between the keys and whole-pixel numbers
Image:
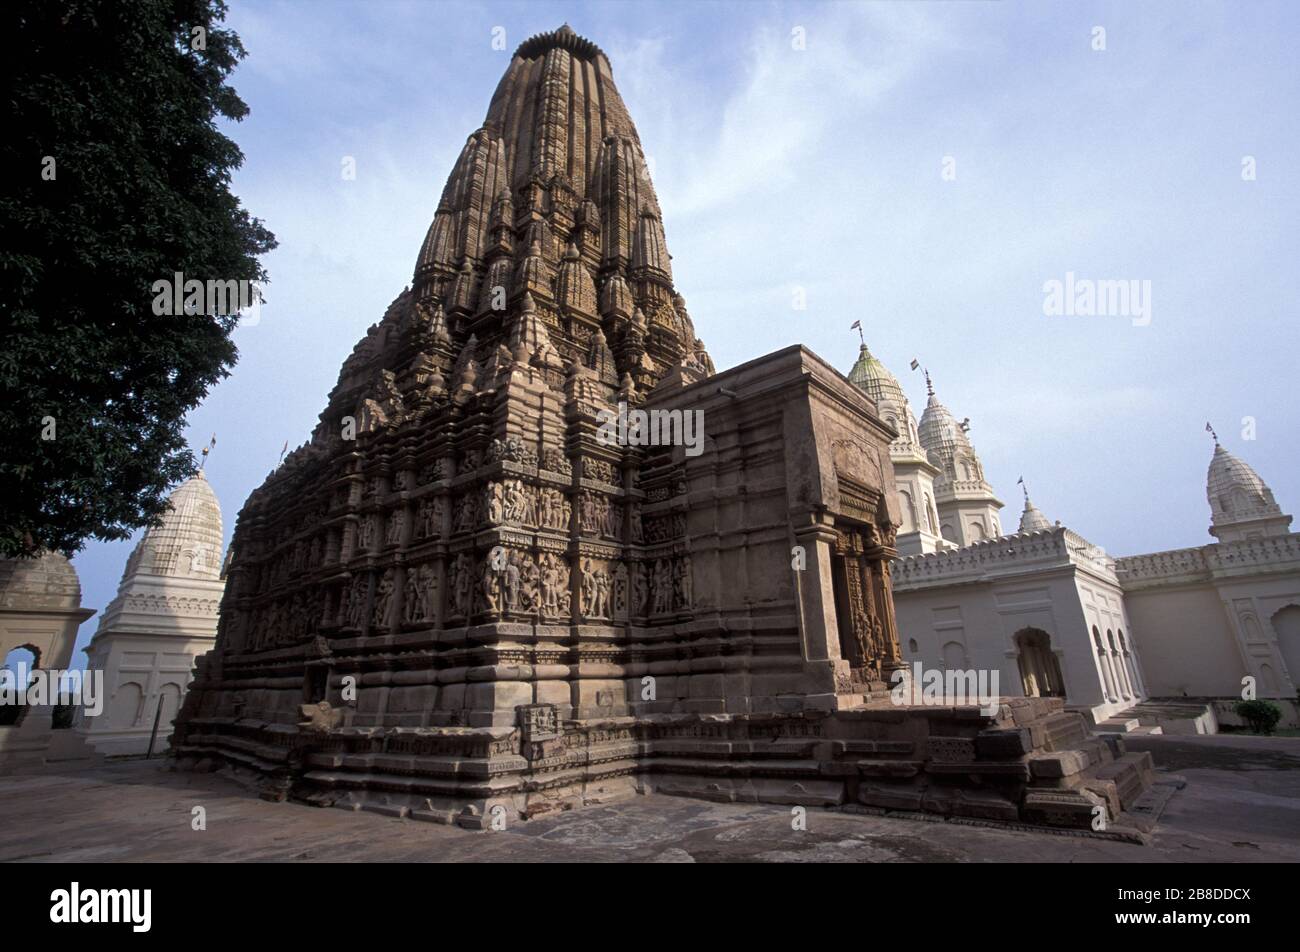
[
  {"x": 1170, "y": 639},
  {"x": 164, "y": 615}
]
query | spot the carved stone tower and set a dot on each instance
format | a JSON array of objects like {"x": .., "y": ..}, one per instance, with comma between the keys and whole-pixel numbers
[{"x": 463, "y": 599}]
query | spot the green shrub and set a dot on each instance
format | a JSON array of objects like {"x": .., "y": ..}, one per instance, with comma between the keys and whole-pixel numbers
[{"x": 1262, "y": 716}]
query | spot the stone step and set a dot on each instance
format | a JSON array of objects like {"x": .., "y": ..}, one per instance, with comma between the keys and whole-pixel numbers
[
  {"x": 1122, "y": 782},
  {"x": 1073, "y": 809},
  {"x": 1131, "y": 774},
  {"x": 1122, "y": 725},
  {"x": 1062, "y": 765},
  {"x": 1064, "y": 731}
]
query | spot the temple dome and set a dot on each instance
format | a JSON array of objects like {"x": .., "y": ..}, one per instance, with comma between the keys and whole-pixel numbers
[
  {"x": 1238, "y": 496},
  {"x": 968, "y": 509},
  {"x": 186, "y": 542},
  {"x": 946, "y": 444},
  {"x": 1032, "y": 519},
  {"x": 875, "y": 380},
  {"x": 872, "y": 376},
  {"x": 47, "y": 581}
]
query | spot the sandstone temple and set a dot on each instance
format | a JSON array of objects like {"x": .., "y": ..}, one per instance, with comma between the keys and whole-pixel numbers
[{"x": 457, "y": 600}]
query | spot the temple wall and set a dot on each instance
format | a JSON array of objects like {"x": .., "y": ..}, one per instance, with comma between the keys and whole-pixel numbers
[
  {"x": 1186, "y": 645},
  {"x": 1205, "y": 618},
  {"x": 1202, "y": 640}
]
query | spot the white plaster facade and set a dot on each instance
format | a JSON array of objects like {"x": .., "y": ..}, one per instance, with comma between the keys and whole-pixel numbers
[
  {"x": 1042, "y": 608},
  {"x": 164, "y": 615}
]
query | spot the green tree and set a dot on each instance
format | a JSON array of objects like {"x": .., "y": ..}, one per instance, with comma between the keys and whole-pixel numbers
[{"x": 117, "y": 175}]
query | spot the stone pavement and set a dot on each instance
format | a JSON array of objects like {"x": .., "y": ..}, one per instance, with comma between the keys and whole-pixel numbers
[{"x": 1241, "y": 804}]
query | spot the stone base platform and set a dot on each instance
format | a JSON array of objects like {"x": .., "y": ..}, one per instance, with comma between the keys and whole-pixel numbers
[{"x": 1032, "y": 762}]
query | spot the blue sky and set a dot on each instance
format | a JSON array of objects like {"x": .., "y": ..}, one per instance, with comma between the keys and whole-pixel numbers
[{"x": 820, "y": 169}]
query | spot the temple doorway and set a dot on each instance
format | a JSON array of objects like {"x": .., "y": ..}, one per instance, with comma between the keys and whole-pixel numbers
[
  {"x": 1040, "y": 672},
  {"x": 864, "y": 606}
]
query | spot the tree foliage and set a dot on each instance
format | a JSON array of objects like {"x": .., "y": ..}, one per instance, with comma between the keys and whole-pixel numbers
[{"x": 117, "y": 175}]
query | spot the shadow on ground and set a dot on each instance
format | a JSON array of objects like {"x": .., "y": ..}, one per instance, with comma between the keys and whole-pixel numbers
[{"x": 1241, "y": 804}]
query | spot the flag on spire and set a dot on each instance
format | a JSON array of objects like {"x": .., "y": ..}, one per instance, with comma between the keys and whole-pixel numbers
[{"x": 206, "y": 450}]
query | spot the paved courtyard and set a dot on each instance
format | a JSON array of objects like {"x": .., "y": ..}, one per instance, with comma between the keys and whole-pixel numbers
[{"x": 1241, "y": 804}]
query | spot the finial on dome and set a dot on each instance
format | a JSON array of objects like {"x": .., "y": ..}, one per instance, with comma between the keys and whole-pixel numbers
[
  {"x": 929, "y": 387},
  {"x": 1024, "y": 486},
  {"x": 1210, "y": 430},
  {"x": 206, "y": 450},
  {"x": 857, "y": 326}
]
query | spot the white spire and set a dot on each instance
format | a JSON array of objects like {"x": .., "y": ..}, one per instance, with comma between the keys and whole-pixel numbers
[
  {"x": 968, "y": 508},
  {"x": 187, "y": 541},
  {"x": 1032, "y": 519},
  {"x": 1241, "y": 505}
]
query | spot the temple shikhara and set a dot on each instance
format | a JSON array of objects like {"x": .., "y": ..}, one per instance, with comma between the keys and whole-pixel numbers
[{"x": 457, "y": 600}]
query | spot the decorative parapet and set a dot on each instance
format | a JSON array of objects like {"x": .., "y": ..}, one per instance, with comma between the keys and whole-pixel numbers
[
  {"x": 1176, "y": 564},
  {"x": 1203, "y": 563},
  {"x": 1274, "y": 553},
  {"x": 1006, "y": 555}
]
